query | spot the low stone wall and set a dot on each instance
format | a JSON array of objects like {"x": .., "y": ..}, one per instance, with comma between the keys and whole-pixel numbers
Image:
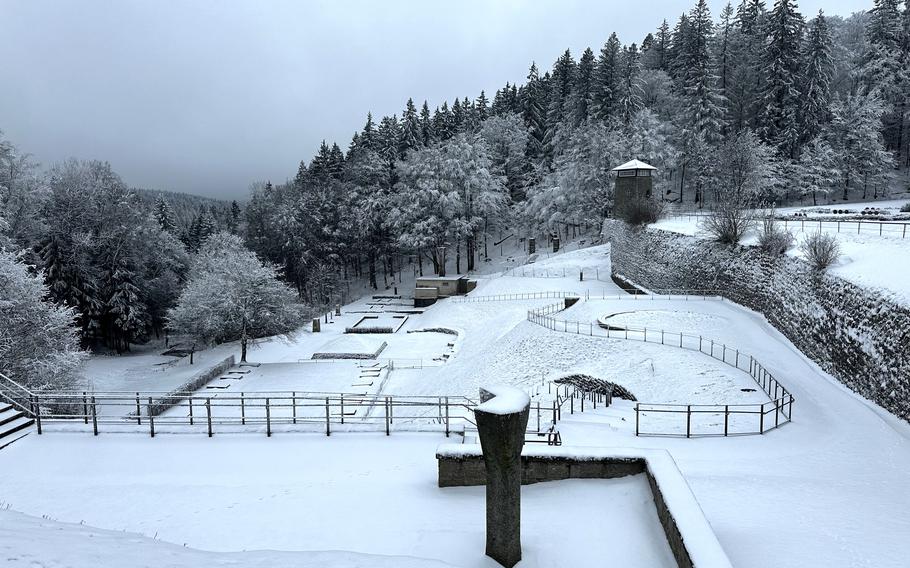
[
  {"x": 196, "y": 382},
  {"x": 858, "y": 335},
  {"x": 693, "y": 545},
  {"x": 462, "y": 471}
]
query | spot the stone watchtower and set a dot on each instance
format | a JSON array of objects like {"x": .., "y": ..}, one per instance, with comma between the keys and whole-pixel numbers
[{"x": 633, "y": 187}]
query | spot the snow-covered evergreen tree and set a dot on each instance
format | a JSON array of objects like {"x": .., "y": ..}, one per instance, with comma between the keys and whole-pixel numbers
[
  {"x": 781, "y": 67},
  {"x": 607, "y": 80},
  {"x": 630, "y": 101}
]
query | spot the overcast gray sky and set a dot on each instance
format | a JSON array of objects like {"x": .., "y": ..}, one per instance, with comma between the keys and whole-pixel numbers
[{"x": 208, "y": 96}]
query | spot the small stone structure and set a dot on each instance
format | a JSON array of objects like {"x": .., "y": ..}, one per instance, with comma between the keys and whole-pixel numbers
[
  {"x": 502, "y": 419},
  {"x": 430, "y": 288}
]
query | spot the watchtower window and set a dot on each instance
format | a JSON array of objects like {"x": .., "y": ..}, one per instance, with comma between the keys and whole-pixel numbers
[
  {"x": 644, "y": 173},
  {"x": 626, "y": 173}
]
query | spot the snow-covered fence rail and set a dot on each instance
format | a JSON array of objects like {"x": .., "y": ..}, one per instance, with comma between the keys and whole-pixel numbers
[
  {"x": 563, "y": 272},
  {"x": 895, "y": 229},
  {"x": 858, "y": 227},
  {"x": 520, "y": 296},
  {"x": 781, "y": 404},
  {"x": 680, "y": 294},
  {"x": 293, "y": 411},
  {"x": 16, "y": 394}
]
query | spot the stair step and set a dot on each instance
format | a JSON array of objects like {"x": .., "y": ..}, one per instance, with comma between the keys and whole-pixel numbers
[
  {"x": 8, "y": 416},
  {"x": 12, "y": 439},
  {"x": 4, "y": 407},
  {"x": 13, "y": 427}
]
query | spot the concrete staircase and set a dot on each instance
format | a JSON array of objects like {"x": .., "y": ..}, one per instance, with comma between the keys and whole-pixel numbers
[{"x": 14, "y": 424}]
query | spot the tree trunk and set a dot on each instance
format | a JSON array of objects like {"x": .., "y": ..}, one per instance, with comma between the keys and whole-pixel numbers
[
  {"x": 682, "y": 178},
  {"x": 243, "y": 349},
  {"x": 372, "y": 265},
  {"x": 470, "y": 252},
  {"x": 457, "y": 257}
]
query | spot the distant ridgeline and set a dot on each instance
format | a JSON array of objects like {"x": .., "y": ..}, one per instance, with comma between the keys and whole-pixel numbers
[{"x": 186, "y": 207}]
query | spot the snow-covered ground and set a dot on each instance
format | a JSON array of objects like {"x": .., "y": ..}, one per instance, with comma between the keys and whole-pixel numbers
[
  {"x": 356, "y": 493},
  {"x": 828, "y": 489},
  {"x": 867, "y": 259}
]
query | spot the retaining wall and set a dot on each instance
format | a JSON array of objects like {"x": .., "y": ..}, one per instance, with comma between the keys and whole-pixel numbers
[
  {"x": 196, "y": 382},
  {"x": 858, "y": 335}
]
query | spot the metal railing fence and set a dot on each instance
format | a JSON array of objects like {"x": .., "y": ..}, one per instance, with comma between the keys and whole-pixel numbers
[{"x": 781, "y": 399}]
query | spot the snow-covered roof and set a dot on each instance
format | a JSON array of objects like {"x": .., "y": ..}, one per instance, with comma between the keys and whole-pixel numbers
[{"x": 634, "y": 165}]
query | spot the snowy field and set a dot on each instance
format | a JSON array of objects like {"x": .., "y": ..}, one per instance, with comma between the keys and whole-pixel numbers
[
  {"x": 827, "y": 489},
  {"x": 363, "y": 494},
  {"x": 867, "y": 259}
]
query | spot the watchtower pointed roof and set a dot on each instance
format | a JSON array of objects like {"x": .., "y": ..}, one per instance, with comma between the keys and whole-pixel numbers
[{"x": 634, "y": 165}]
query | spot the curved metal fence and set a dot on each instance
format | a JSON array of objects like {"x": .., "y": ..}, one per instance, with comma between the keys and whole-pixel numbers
[{"x": 689, "y": 420}]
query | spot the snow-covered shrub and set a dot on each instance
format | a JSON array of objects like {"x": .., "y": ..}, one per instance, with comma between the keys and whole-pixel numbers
[
  {"x": 905, "y": 208},
  {"x": 772, "y": 239},
  {"x": 643, "y": 212},
  {"x": 39, "y": 346},
  {"x": 821, "y": 250},
  {"x": 729, "y": 222}
]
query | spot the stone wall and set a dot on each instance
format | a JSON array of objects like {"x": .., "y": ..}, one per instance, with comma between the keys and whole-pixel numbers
[
  {"x": 189, "y": 388},
  {"x": 858, "y": 335}
]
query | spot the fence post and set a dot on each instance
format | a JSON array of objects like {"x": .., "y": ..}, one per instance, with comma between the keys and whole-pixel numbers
[
  {"x": 688, "y": 421},
  {"x": 328, "y": 430},
  {"x": 447, "y": 417},
  {"x": 761, "y": 420},
  {"x": 242, "y": 409},
  {"x": 138, "y": 411},
  {"x": 94, "y": 417},
  {"x": 208, "y": 415},
  {"x": 84, "y": 408},
  {"x": 151, "y": 419},
  {"x": 538, "y": 416},
  {"x": 294, "y": 406},
  {"x": 268, "y": 419},
  {"x": 554, "y": 413},
  {"x": 726, "y": 419},
  {"x": 636, "y": 418},
  {"x": 342, "y": 407},
  {"x": 36, "y": 408},
  {"x": 386, "y": 406},
  {"x": 776, "y": 412},
  {"x": 572, "y": 403}
]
